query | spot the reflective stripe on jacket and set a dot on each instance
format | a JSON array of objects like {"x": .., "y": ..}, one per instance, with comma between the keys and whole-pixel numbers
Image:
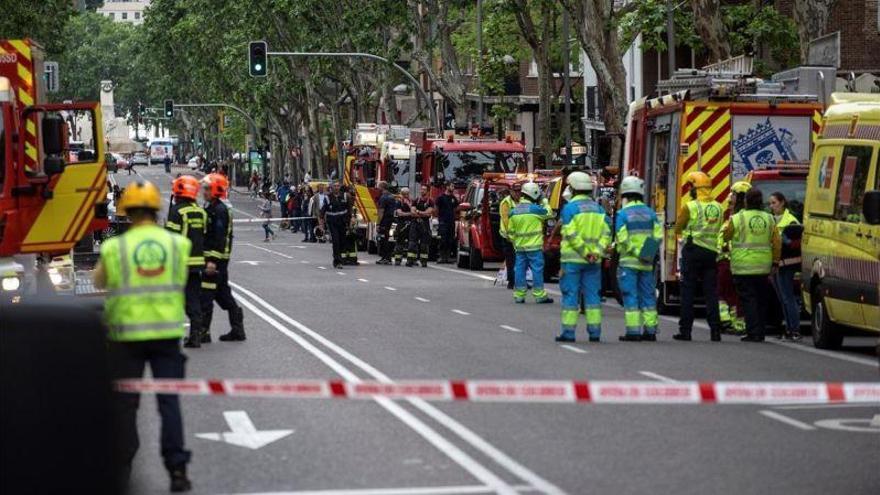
[
  {"x": 191, "y": 221},
  {"x": 585, "y": 230},
  {"x": 636, "y": 223},
  {"x": 751, "y": 248},
  {"x": 504, "y": 208}
]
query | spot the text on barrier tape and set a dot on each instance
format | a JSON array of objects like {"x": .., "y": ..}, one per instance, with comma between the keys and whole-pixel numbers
[{"x": 599, "y": 392}]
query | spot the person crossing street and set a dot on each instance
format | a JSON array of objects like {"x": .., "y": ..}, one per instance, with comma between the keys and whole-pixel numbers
[
  {"x": 190, "y": 220},
  {"x": 420, "y": 229},
  {"x": 586, "y": 235},
  {"x": 218, "y": 249},
  {"x": 637, "y": 240},
  {"x": 526, "y": 231},
  {"x": 145, "y": 271}
]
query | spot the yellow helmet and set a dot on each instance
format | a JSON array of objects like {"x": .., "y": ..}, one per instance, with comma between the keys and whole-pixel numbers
[
  {"x": 741, "y": 187},
  {"x": 699, "y": 179},
  {"x": 140, "y": 195}
]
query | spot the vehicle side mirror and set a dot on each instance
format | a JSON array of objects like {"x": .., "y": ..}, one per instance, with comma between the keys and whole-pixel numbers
[
  {"x": 53, "y": 134},
  {"x": 871, "y": 207}
]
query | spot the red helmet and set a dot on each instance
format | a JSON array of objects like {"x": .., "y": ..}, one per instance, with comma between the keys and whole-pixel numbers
[
  {"x": 185, "y": 186},
  {"x": 217, "y": 185}
]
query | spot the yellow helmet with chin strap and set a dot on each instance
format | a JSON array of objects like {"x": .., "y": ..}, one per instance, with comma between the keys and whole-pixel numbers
[
  {"x": 698, "y": 180},
  {"x": 139, "y": 195}
]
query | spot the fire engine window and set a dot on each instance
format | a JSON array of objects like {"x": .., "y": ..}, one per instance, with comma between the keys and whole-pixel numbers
[
  {"x": 856, "y": 164},
  {"x": 399, "y": 169},
  {"x": 459, "y": 166},
  {"x": 81, "y": 146}
]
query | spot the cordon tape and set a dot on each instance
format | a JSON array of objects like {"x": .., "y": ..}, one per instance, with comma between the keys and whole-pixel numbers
[{"x": 567, "y": 391}]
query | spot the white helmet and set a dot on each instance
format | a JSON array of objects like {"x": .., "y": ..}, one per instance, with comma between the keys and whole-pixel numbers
[
  {"x": 566, "y": 193},
  {"x": 579, "y": 181},
  {"x": 632, "y": 185},
  {"x": 404, "y": 190},
  {"x": 532, "y": 190}
]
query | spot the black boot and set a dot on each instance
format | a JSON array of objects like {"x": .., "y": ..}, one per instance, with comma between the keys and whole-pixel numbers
[
  {"x": 715, "y": 335},
  {"x": 179, "y": 481},
  {"x": 649, "y": 337},
  {"x": 236, "y": 325},
  {"x": 682, "y": 337},
  {"x": 630, "y": 338}
]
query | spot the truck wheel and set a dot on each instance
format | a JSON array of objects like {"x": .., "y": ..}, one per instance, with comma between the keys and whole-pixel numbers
[
  {"x": 826, "y": 334},
  {"x": 475, "y": 259},
  {"x": 463, "y": 261}
]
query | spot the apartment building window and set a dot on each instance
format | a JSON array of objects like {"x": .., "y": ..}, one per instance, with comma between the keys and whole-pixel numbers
[
  {"x": 137, "y": 15},
  {"x": 125, "y": 16},
  {"x": 112, "y": 16}
]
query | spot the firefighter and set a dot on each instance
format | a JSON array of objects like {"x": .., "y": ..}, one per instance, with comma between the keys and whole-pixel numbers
[
  {"x": 699, "y": 222},
  {"x": 403, "y": 214},
  {"x": 189, "y": 219},
  {"x": 526, "y": 231},
  {"x": 420, "y": 229},
  {"x": 337, "y": 216},
  {"x": 218, "y": 248},
  {"x": 145, "y": 272},
  {"x": 387, "y": 205},
  {"x": 638, "y": 235},
  {"x": 586, "y": 236},
  {"x": 508, "y": 203},
  {"x": 728, "y": 305},
  {"x": 754, "y": 255},
  {"x": 349, "y": 241}
]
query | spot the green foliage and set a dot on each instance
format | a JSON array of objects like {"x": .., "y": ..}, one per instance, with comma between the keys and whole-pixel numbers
[
  {"x": 753, "y": 29},
  {"x": 41, "y": 20},
  {"x": 649, "y": 19}
]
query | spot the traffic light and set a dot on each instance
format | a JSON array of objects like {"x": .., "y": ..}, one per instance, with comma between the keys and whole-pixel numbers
[
  {"x": 142, "y": 109},
  {"x": 257, "y": 58},
  {"x": 169, "y": 109}
]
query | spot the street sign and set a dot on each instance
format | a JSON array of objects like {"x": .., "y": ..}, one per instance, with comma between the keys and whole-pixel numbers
[
  {"x": 52, "y": 76},
  {"x": 243, "y": 433}
]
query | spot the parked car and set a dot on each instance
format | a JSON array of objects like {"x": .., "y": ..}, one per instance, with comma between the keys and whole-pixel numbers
[
  {"x": 121, "y": 161},
  {"x": 140, "y": 158}
]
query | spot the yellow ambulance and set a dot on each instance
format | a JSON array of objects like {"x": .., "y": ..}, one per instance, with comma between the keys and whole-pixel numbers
[{"x": 841, "y": 239}]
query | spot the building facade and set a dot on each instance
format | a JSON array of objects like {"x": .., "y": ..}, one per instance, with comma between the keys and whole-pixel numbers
[{"x": 131, "y": 11}]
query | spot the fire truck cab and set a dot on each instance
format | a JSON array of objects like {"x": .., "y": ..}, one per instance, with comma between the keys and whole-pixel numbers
[{"x": 721, "y": 123}]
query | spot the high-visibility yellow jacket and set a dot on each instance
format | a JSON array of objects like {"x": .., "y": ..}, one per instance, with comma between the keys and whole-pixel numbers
[
  {"x": 585, "y": 230},
  {"x": 525, "y": 229}
]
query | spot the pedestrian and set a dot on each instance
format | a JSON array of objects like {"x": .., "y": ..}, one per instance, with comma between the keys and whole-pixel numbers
[
  {"x": 586, "y": 236},
  {"x": 310, "y": 222},
  {"x": 403, "y": 217},
  {"x": 508, "y": 203},
  {"x": 420, "y": 229},
  {"x": 266, "y": 212},
  {"x": 218, "y": 249},
  {"x": 167, "y": 162},
  {"x": 337, "y": 215},
  {"x": 386, "y": 206},
  {"x": 789, "y": 229},
  {"x": 190, "y": 220},
  {"x": 754, "y": 255},
  {"x": 349, "y": 242},
  {"x": 254, "y": 184},
  {"x": 637, "y": 240},
  {"x": 131, "y": 165},
  {"x": 729, "y": 313},
  {"x": 699, "y": 222},
  {"x": 526, "y": 231},
  {"x": 294, "y": 200},
  {"x": 281, "y": 195},
  {"x": 145, "y": 271},
  {"x": 447, "y": 207},
  {"x": 319, "y": 202}
]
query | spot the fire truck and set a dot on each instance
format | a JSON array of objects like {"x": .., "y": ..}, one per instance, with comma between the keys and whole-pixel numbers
[
  {"x": 49, "y": 198},
  {"x": 722, "y": 123}
]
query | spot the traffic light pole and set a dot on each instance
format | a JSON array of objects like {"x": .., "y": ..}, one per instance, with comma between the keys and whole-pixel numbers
[{"x": 431, "y": 111}]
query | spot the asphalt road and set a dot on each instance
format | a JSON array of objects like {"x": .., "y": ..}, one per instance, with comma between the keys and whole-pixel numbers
[{"x": 307, "y": 320}]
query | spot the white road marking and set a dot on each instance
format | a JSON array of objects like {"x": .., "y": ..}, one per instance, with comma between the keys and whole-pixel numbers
[
  {"x": 268, "y": 250},
  {"x": 785, "y": 419},
  {"x": 655, "y": 376},
  {"x": 825, "y": 406},
  {"x": 305, "y": 262},
  {"x": 469, "y": 274},
  {"x": 512, "y": 329},
  {"x": 243, "y": 432},
  {"x": 573, "y": 348},
  {"x": 390, "y": 288},
  {"x": 322, "y": 268},
  {"x": 243, "y": 212},
  {"x": 427, "y": 490},
  {"x": 340, "y": 273},
  {"x": 463, "y": 313},
  {"x": 248, "y": 262},
  {"x": 422, "y": 299},
  {"x": 363, "y": 280},
  {"x": 855, "y": 425},
  {"x": 457, "y": 455},
  {"x": 821, "y": 352}
]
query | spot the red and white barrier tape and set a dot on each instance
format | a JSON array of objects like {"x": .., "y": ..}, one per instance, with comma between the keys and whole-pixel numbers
[{"x": 599, "y": 392}]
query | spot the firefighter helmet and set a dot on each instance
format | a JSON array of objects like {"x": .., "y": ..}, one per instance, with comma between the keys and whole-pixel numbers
[
  {"x": 699, "y": 179},
  {"x": 185, "y": 186},
  {"x": 532, "y": 190},
  {"x": 217, "y": 185},
  {"x": 580, "y": 181},
  {"x": 632, "y": 185},
  {"x": 741, "y": 187},
  {"x": 139, "y": 194}
]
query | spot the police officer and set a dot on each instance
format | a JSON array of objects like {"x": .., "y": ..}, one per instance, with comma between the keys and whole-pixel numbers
[
  {"x": 187, "y": 218},
  {"x": 637, "y": 239},
  {"x": 386, "y": 206},
  {"x": 754, "y": 254},
  {"x": 403, "y": 214},
  {"x": 349, "y": 244},
  {"x": 337, "y": 215},
  {"x": 508, "y": 203},
  {"x": 145, "y": 271},
  {"x": 699, "y": 222},
  {"x": 420, "y": 229},
  {"x": 730, "y": 315},
  {"x": 585, "y": 238},
  {"x": 526, "y": 231},
  {"x": 218, "y": 248}
]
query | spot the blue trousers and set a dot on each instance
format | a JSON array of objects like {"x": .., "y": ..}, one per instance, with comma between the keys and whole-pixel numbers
[
  {"x": 535, "y": 261},
  {"x": 639, "y": 300},
  {"x": 577, "y": 279},
  {"x": 783, "y": 282}
]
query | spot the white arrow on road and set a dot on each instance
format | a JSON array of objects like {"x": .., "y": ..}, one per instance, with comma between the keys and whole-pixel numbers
[{"x": 243, "y": 432}]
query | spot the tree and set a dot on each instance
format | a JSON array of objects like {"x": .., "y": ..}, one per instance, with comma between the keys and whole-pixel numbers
[
  {"x": 42, "y": 21},
  {"x": 811, "y": 17},
  {"x": 708, "y": 22}
]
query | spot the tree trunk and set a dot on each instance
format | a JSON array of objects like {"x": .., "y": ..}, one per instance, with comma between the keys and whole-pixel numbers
[
  {"x": 450, "y": 80},
  {"x": 811, "y": 17},
  {"x": 539, "y": 41},
  {"x": 710, "y": 27}
]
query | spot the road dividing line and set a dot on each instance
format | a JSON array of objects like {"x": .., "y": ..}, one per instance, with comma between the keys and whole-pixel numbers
[
  {"x": 448, "y": 422},
  {"x": 390, "y": 288},
  {"x": 655, "y": 376},
  {"x": 573, "y": 348},
  {"x": 421, "y": 299},
  {"x": 463, "y": 313},
  {"x": 340, "y": 273},
  {"x": 268, "y": 250},
  {"x": 426, "y": 490},
  {"x": 305, "y": 262},
  {"x": 457, "y": 455},
  {"x": 821, "y": 352},
  {"x": 785, "y": 419},
  {"x": 469, "y": 274},
  {"x": 363, "y": 280},
  {"x": 322, "y": 268},
  {"x": 512, "y": 329}
]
